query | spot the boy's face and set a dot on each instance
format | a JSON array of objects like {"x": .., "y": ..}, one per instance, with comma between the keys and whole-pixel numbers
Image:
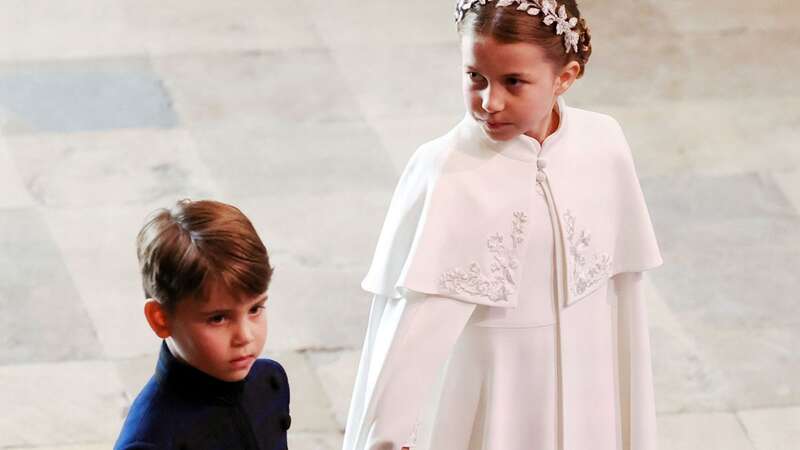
[{"x": 221, "y": 336}]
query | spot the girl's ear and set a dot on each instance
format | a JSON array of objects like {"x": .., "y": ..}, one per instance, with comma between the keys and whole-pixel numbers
[
  {"x": 567, "y": 76},
  {"x": 158, "y": 318}
]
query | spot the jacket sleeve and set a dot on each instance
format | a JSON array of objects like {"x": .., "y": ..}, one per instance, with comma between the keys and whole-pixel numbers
[
  {"x": 635, "y": 391},
  {"x": 140, "y": 446},
  {"x": 408, "y": 341}
]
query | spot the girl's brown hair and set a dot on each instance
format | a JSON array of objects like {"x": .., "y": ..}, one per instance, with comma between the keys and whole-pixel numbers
[
  {"x": 509, "y": 25},
  {"x": 186, "y": 250}
]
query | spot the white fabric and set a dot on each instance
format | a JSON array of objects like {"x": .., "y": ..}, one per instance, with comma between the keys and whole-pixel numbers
[
  {"x": 537, "y": 278},
  {"x": 463, "y": 188},
  {"x": 500, "y": 386},
  {"x": 399, "y": 383},
  {"x": 575, "y": 214},
  {"x": 635, "y": 378},
  {"x": 500, "y": 391}
]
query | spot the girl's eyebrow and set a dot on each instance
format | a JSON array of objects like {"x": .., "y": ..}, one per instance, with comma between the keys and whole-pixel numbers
[{"x": 508, "y": 75}]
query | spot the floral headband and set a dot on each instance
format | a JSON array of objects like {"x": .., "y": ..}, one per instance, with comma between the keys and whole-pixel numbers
[{"x": 551, "y": 13}]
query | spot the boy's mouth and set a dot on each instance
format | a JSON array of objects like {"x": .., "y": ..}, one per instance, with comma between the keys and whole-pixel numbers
[{"x": 242, "y": 360}]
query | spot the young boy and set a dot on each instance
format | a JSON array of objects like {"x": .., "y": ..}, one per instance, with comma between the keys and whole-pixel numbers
[{"x": 205, "y": 274}]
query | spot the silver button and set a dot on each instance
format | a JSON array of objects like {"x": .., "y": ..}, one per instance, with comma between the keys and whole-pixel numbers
[
  {"x": 540, "y": 177},
  {"x": 541, "y": 163}
]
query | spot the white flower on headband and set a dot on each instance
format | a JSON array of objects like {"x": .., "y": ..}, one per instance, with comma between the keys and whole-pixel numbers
[
  {"x": 551, "y": 13},
  {"x": 549, "y": 7}
]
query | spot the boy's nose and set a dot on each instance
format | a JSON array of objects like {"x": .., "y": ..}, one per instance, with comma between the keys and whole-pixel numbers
[{"x": 243, "y": 335}]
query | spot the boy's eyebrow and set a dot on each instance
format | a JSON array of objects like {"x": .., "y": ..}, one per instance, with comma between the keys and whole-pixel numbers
[{"x": 261, "y": 299}]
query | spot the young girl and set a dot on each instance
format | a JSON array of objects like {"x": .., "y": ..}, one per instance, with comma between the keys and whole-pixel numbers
[{"x": 508, "y": 275}]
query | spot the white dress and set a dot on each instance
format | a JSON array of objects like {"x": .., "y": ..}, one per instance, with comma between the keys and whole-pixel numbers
[
  {"x": 500, "y": 385},
  {"x": 507, "y": 310}
]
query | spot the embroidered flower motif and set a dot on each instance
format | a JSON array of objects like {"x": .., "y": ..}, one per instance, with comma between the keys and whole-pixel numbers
[
  {"x": 499, "y": 283},
  {"x": 587, "y": 271},
  {"x": 551, "y": 13}
]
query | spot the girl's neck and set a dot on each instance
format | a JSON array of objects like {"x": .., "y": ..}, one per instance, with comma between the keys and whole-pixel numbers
[{"x": 548, "y": 127}]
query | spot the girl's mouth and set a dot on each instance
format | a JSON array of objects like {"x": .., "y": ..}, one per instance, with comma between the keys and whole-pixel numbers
[{"x": 495, "y": 125}]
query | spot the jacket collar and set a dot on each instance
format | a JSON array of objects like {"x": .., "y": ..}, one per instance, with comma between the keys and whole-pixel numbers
[{"x": 194, "y": 383}]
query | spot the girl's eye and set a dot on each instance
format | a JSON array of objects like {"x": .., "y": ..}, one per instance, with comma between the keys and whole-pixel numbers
[
  {"x": 474, "y": 76},
  {"x": 216, "y": 320}
]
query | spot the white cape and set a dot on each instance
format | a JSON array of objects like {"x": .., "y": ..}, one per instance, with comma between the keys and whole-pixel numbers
[{"x": 453, "y": 238}]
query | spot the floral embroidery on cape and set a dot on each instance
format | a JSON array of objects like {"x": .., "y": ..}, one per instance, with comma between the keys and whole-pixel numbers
[
  {"x": 587, "y": 271},
  {"x": 499, "y": 284}
]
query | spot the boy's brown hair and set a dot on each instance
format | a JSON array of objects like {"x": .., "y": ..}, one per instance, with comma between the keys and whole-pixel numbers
[{"x": 185, "y": 250}]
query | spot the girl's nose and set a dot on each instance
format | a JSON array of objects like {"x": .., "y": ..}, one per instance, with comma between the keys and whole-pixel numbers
[{"x": 492, "y": 100}]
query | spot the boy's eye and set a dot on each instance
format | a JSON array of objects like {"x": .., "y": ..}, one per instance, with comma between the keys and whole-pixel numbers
[
  {"x": 514, "y": 81},
  {"x": 256, "y": 309},
  {"x": 219, "y": 318}
]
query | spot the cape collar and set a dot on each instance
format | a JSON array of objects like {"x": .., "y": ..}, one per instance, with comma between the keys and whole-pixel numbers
[
  {"x": 194, "y": 383},
  {"x": 522, "y": 147}
]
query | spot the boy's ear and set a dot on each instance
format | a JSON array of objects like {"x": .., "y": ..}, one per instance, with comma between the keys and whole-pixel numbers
[{"x": 157, "y": 318}]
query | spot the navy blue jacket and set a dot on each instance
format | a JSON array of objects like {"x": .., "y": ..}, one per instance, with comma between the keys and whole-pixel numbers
[{"x": 184, "y": 408}]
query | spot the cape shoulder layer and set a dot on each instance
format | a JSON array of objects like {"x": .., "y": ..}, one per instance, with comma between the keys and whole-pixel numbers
[{"x": 457, "y": 221}]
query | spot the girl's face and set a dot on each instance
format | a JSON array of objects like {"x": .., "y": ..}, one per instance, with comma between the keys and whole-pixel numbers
[{"x": 511, "y": 89}]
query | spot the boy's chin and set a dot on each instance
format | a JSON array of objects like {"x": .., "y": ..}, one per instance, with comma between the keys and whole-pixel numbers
[
  {"x": 237, "y": 378},
  {"x": 233, "y": 376},
  {"x": 228, "y": 373}
]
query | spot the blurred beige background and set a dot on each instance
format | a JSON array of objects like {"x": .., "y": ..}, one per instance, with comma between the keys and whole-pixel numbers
[{"x": 303, "y": 113}]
